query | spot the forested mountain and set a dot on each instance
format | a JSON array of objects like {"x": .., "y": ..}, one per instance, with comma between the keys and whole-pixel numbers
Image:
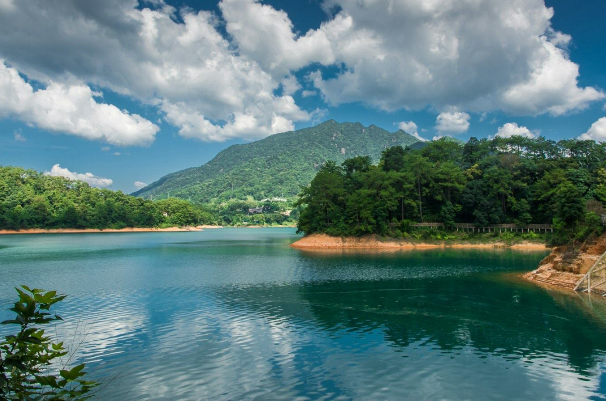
[
  {"x": 276, "y": 166},
  {"x": 483, "y": 182},
  {"x": 30, "y": 199}
]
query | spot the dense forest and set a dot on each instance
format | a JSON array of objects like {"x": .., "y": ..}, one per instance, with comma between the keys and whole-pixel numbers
[
  {"x": 484, "y": 182},
  {"x": 29, "y": 199},
  {"x": 276, "y": 212},
  {"x": 276, "y": 166}
]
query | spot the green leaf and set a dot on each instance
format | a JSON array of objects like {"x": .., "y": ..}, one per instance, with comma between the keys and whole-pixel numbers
[
  {"x": 49, "y": 380},
  {"x": 72, "y": 374}
]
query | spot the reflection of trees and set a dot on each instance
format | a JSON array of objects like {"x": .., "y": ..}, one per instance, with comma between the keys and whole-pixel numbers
[
  {"x": 491, "y": 317},
  {"x": 495, "y": 317}
]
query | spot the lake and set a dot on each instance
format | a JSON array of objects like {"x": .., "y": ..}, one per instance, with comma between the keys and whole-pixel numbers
[{"x": 238, "y": 314}]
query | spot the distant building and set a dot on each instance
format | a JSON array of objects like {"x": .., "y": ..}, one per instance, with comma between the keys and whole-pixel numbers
[
  {"x": 258, "y": 210},
  {"x": 274, "y": 199}
]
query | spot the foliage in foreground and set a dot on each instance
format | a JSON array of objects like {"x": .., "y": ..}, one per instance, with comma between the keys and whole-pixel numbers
[
  {"x": 483, "y": 182},
  {"x": 30, "y": 199},
  {"x": 30, "y": 362}
]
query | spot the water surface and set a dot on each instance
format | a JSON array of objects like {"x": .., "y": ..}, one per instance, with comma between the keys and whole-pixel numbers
[{"x": 237, "y": 314}]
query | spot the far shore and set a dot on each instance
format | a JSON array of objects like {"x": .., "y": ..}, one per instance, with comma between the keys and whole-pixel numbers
[
  {"x": 124, "y": 230},
  {"x": 323, "y": 241}
]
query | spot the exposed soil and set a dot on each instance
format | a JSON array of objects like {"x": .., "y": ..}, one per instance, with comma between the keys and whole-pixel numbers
[
  {"x": 566, "y": 265},
  {"x": 323, "y": 241}
]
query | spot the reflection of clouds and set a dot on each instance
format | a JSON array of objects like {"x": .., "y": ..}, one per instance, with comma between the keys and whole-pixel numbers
[
  {"x": 216, "y": 353},
  {"x": 264, "y": 343},
  {"x": 563, "y": 380},
  {"x": 247, "y": 319},
  {"x": 108, "y": 329}
]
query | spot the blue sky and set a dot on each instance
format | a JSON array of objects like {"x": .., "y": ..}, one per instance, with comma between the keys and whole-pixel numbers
[{"x": 130, "y": 91}]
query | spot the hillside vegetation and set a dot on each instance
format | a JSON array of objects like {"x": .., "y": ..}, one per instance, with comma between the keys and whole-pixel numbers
[
  {"x": 30, "y": 199},
  {"x": 276, "y": 166},
  {"x": 483, "y": 182}
]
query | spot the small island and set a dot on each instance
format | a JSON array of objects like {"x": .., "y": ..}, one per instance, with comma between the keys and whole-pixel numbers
[{"x": 518, "y": 193}]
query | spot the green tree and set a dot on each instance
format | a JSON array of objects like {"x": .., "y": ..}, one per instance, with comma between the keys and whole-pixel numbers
[
  {"x": 28, "y": 359},
  {"x": 421, "y": 170}
]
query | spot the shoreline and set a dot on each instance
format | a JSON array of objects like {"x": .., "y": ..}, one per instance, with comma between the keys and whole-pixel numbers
[
  {"x": 124, "y": 230},
  {"x": 323, "y": 242}
]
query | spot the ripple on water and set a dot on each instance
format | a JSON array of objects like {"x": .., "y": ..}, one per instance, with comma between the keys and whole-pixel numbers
[{"x": 242, "y": 316}]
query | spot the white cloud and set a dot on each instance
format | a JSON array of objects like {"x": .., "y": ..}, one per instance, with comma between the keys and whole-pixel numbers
[
  {"x": 473, "y": 55},
  {"x": 105, "y": 149},
  {"x": 139, "y": 185},
  {"x": 452, "y": 122},
  {"x": 290, "y": 85},
  {"x": 318, "y": 115},
  {"x": 266, "y": 35},
  {"x": 89, "y": 178},
  {"x": 411, "y": 128},
  {"x": 552, "y": 86},
  {"x": 208, "y": 87},
  {"x": 510, "y": 129},
  {"x": 308, "y": 93},
  {"x": 70, "y": 109},
  {"x": 596, "y": 132},
  {"x": 7, "y": 5},
  {"x": 477, "y": 55},
  {"x": 18, "y": 136}
]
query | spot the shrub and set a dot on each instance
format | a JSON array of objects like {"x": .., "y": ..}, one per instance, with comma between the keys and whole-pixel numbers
[{"x": 28, "y": 360}]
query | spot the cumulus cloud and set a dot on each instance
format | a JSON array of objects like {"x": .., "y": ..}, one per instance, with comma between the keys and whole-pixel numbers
[
  {"x": 290, "y": 85},
  {"x": 89, "y": 178},
  {"x": 267, "y": 36},
  {"x": 478, "y": 55},
  {"x": 596, "y": 132},
  {"x": 473, "y": 55},
  {"x": 452, "y": 122},
  {"x": 139, "y": 185},
  {"x": 510, "y": 129},
  {"x": 411, "y": 128},
  {"x": 70, "y": 109},
  {"x": 177, "y": 60}
]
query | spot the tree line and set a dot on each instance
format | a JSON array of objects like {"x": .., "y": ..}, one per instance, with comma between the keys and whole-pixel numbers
[
  {"x": 484, "y": 182},
  {"x": 30, "y": 199}
]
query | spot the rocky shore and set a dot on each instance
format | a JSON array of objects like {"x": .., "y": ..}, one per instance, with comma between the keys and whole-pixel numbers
[{"x": 565, "y": 266}]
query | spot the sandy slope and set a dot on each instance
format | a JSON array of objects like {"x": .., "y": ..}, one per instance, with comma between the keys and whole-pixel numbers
[
  {"x": 564, "y": 267},
  {"x": 322, "y": 241}
]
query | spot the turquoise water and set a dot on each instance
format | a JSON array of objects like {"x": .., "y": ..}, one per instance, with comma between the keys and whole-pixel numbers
[{"x": 237, "y": 314}]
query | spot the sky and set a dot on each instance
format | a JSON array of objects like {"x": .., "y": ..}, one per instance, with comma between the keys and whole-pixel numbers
[{"x": 121, "y": 92}]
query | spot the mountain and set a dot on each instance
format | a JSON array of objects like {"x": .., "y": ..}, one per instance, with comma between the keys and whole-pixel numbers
[{"x": 276, "y": 166}]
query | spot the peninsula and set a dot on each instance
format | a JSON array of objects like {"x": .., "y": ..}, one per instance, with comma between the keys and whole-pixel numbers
[{"x": 518, "y": 193}]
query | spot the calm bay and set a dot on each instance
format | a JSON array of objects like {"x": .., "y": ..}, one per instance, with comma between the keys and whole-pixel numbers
[{"x": 238, "y": 314}]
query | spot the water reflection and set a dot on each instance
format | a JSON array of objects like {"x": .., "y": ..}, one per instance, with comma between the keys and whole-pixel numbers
[
  {"x": 491, "y": 329},
  {"x": 240, "y": 315}
]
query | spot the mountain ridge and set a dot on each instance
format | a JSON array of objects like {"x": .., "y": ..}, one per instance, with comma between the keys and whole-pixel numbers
[{"x": 275, "y": 166}]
